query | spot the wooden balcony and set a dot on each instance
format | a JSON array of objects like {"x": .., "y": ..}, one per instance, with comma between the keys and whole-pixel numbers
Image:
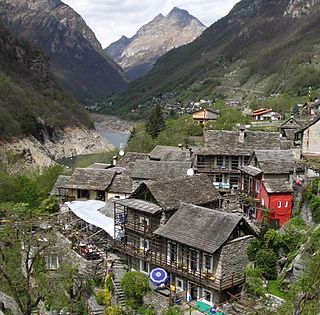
[
  {"x": 141, "y": 229},
  {"x": 207, "y": 167},
  {"x": 201, "y": 277}
]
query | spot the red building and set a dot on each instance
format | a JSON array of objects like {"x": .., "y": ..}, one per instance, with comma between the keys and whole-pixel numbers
[
  {"x": 275, "y": 198},
  {"x": 267, "y": 179}
]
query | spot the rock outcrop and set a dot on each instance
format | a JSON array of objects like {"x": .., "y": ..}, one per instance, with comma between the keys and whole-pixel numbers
[
  {"x": 137, "y": 55},
  {"x": 76, "y": 56},
  {"x": 31, "y": 151}
]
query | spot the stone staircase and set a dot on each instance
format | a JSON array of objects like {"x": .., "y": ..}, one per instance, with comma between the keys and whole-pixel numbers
[{"x": 119, "y": 270}]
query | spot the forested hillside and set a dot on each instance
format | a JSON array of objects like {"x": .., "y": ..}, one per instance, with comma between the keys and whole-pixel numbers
[
  {"x": 30, "y": 99},
  {"x": 260, "y": 47}
]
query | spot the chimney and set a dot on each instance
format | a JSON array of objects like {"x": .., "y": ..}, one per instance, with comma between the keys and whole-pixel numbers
[
  {"x": 242, "y": 133},
  {"x": 163, "y": 219},
  {"x": 180, "y": 146},
  {"x": 114, "y": 160}
]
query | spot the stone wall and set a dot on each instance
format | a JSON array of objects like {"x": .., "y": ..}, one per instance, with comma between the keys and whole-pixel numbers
[{"x": 233, "y": 258}]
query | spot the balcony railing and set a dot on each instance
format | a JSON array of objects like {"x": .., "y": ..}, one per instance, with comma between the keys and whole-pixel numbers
[
  {"x": 211, "y": 167},
  {"x": 158, "y": 259}
]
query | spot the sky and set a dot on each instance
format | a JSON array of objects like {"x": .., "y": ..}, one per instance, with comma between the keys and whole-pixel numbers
[{"x": 110, "y": 19}]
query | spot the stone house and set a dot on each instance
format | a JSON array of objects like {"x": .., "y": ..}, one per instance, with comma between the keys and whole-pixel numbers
[
  {"x": 203, "y": 250},
  {"x": 225, "y": 151},
  {"x": 150, "y": 170},
  {"x": 268, "y": 179},
  {"x": 169, "y": 153},
  {"x": 308, "y": 139},
  {"x": 85, "y": 184},
  {"x": 204, "y": 115},
  {"x": 288, "y": 128}
]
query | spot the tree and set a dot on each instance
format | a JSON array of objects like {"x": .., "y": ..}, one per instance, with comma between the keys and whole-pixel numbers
[
  {"x": 26, "y": 243},
  {"x": 135, "y": 285},
  {"x": 155, "y": 122}
]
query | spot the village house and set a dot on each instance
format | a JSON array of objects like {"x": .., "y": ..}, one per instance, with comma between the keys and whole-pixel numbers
[
  {"x": 266, "y": 114},
  {"x": 150, "y": 170},
  {"x": 203, "y": 250},
  {"x": 268, "y": 179},
  {"x": 168, "y": 153},
  {"x": 225, "y": 151},
  {"x": 308, "y": 139},
  {"x": 85, "y": 184},
  {"x": 288, "y": 128},
  {"x": 204, "y": 115},
  {"x": 153, "y": 203}
]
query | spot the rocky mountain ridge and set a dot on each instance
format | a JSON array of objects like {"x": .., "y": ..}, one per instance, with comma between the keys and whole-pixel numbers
[
  {"x": 137, "y": 55},
  {"x": 76, "y": 56},
  {"x": 260, "y": 48},
  {"x": 38, "y": 121}
]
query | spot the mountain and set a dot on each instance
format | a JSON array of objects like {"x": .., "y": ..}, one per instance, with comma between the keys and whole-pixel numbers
[
  {"x": 260, "y": 47},
  {"x": 76, "y": 56},
  {"x": 137, "y": 55},
  {"x": 39, "y": 122}
]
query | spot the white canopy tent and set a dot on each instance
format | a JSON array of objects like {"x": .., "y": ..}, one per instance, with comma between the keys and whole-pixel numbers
[{"x": 88, "y": 212}]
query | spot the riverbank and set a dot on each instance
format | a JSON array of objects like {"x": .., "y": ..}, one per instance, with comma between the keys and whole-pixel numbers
[{"x": 111, "y": 123}]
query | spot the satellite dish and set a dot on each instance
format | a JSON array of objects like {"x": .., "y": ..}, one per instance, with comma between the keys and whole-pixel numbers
[
  {"x": 190, "y": 172},
  {"x": 121, "y": 153}
]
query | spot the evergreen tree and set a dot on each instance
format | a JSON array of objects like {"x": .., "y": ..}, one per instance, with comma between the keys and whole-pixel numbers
[{"x": 155, "y": 122}]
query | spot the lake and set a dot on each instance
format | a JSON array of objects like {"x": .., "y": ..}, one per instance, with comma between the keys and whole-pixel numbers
[{"x": 117, "y": 139}]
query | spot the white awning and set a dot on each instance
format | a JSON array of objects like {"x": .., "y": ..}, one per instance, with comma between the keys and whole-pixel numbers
[{"x": 88, "y": 212}]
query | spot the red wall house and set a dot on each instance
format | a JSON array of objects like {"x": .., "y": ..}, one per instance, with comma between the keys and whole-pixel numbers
[{"x": 277, "y": 201}]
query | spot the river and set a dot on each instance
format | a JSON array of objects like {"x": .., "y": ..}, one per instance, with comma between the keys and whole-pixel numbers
[{"x": 117, "y": 139}]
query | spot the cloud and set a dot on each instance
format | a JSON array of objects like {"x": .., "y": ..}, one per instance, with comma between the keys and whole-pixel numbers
[{"x": 110, "y": 19}]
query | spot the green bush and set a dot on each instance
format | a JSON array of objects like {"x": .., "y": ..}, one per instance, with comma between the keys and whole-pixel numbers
[
  {"x": 135, "y": 285},
  {"x": 266, "y": 260}
]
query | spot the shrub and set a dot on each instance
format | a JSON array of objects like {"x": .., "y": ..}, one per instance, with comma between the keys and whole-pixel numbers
[
  {"x": 135, "y": 285},
  {"x": 266, "y": 259}
]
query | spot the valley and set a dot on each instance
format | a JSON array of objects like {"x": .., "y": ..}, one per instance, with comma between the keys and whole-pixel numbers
[{"x": 175, "y": 172}]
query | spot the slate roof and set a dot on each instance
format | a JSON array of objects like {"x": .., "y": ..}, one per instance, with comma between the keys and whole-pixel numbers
[
  {"x": 277, "y": 186},
  {"x": 290, "y": 123},
  {"x": 199, "y": 227},
  {"x": 154, "y": 170},
  {"x": 99, "y": 166},
  {"x": 108, "y": 209},
  {"x": 91, "y": 179},
  {"x": 141, "y": 205},
  {"x": 309, "y": 125},
  {"x": 222, "y": 142},
  {"x": 131, "y": 157},
  {"x": 251, "y": 170},
  {"x": 167, "y": 153},
  {"x": 196, "y": 189},
  {"x": 275, "y": 161},
  {"x": 122, "y": 183},
  {"x": 61, "y": 182}
]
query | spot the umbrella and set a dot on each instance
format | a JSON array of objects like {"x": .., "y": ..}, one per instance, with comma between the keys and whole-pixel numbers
[{"x": 158, "y": 276}]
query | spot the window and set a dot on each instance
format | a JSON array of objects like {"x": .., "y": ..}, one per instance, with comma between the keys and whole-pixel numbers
[
  {"x": 219, "y": 178},
  {"x": 279, "y": 204},
  {"x": 220, "y": 160},
  {"x": 52, "y": 262},
  {"x": 262, "y": 202},
  {"x": 144, "y": 266},
  {"x": 208, "y": 263},
  {"x": 101, "y": 195},
  {"x": 207, "y": 295},
  {"x": 144, "y": 221},
  {"x": 235, "y": 162},
  {"x": 82, "y": 193},
  {"x": 286, "y": 204},
  {"x": 179, "y": 284},
  {"x": 144, "y": 244}
]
